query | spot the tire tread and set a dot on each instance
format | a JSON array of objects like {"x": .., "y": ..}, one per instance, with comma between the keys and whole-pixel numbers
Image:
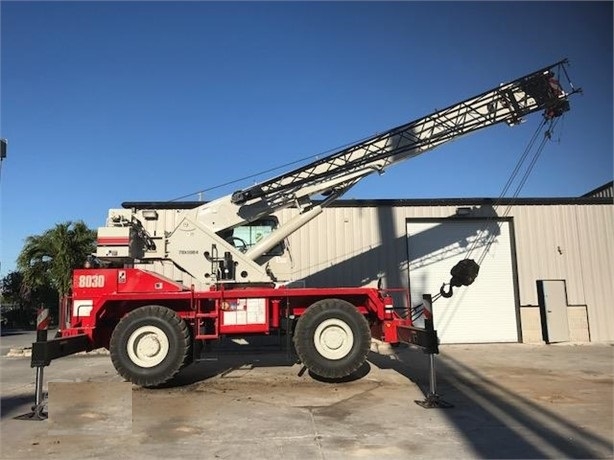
[
  {"x": 171, "y": 319},
  {"x": 303, "y": 339}
]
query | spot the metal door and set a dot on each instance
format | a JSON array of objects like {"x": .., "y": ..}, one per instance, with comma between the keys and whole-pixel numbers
[
  {"x": 553, "y": 310},
  {"x": 484, "y": 312}
]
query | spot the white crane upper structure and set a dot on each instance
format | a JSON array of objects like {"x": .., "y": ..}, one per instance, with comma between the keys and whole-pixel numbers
[{"x": 200, "y": 241}]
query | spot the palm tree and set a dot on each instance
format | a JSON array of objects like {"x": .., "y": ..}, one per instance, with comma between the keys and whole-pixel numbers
[{"x": 48, "y": 259}]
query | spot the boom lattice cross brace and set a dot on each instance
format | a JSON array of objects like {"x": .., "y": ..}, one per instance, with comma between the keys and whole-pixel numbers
[{"x": 338, "y": 172}]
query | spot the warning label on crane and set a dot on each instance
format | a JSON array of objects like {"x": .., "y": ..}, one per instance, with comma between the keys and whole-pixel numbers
[{"x": 244, "y": 311}]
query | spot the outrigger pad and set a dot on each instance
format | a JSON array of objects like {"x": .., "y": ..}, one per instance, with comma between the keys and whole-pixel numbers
[
  {"x": 434, "y": 401},
  {"x": 38, "y": 414}
]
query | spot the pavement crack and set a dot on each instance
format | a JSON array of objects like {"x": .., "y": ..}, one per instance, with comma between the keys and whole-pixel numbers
[{"x": 316, "y": 435}]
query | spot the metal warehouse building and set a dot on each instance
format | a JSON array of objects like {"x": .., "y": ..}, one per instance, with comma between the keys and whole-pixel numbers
[{"x": 546, "y": 271}]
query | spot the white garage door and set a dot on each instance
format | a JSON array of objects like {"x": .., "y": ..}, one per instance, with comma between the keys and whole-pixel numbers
[{"x": 481, "y": 313}]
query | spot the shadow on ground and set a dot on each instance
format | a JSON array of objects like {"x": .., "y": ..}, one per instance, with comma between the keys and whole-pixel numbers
[
  {"x": 12, "y": 406},
  {"x": 498, "y": 422},
  {"x": 8, "y": 332},
  {"x": 225, "y": 356}
]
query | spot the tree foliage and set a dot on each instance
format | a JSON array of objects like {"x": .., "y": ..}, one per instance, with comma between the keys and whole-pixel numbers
[
  {"x": 47, "y": 260},
  {"x": 19, "y": 304},
  {"x": 11, "y": 289}
]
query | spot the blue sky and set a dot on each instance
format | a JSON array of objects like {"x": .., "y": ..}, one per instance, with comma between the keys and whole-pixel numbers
[{"x": 124, "y": 101}]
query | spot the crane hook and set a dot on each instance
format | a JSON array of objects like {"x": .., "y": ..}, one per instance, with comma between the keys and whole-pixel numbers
[{"x": 445, "y": 294}]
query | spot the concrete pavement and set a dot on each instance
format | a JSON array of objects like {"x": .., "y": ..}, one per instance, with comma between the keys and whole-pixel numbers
[{"x": 510, "y": 401}]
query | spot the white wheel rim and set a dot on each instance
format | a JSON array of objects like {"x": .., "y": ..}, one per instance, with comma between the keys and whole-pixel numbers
[
  {"x": 147, "y": 346},
  {"x": 333, "y": 339}
]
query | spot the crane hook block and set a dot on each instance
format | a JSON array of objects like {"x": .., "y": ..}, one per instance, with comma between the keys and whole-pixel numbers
[{"x": 463, "y": 273}]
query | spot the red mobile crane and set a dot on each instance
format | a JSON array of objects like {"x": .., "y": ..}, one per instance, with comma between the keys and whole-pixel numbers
[{"x": 172, "y": 278}]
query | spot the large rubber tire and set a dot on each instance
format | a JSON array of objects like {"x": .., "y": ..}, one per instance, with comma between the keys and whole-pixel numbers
[
  {"x": 150, "y": 345},
  {"x": 332, "y": 338},
  {"x": 189, "y": 355}
]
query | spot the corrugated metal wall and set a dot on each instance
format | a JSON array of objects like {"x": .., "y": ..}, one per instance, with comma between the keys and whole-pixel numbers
[
  {"x": 605, "y": 191},
  {"x": 575, "y": 244},
  {"x": 352, "y": 246}
]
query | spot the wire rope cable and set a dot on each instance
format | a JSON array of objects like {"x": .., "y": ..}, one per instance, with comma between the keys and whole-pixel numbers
[
  {"x": 546, "y": 137},
  {"x": 275, "y": 168},
  {"x": 417, "y": 310}
]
